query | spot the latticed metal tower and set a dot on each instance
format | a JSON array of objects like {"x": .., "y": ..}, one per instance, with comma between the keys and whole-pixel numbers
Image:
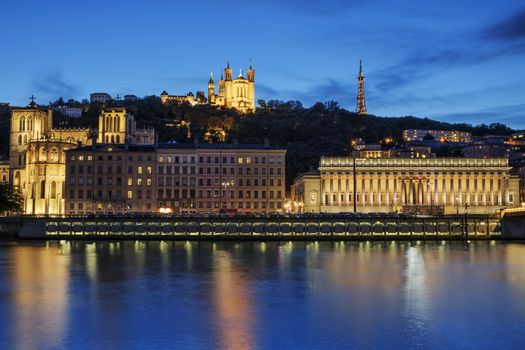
[{"x": 361, "y": 105}]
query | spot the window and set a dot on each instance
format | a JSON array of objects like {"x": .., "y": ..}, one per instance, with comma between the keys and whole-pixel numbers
[
  {"x": 139, "y": 170},
  {"x": 130, "y": 194}
]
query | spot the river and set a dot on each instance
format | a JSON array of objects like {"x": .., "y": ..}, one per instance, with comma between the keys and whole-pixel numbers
[{"x": 255, "y": 295}]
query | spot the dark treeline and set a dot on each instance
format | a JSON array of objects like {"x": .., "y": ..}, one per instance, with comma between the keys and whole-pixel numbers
[{"x": 307, "y": 133}]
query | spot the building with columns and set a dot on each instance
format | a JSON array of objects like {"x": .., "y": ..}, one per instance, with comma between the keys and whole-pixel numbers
[{"x": 422, "y": 185}]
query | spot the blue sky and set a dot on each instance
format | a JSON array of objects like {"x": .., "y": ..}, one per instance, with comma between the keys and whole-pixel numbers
[{"x": 460, "y": 61}]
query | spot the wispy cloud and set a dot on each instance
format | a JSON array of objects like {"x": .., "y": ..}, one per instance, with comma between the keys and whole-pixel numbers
[
  {"x": 53, "y": 85},
  {"x": 511, "y": 28}
]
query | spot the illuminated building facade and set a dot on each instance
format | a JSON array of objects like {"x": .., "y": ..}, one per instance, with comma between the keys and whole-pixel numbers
[
  {"x": 238, "y": 93},
  {"x": 220, "y": 177},
  {"x": 110, "y": 178},
  {"x": 37, "y": 158},
  {"x": 437, "y": 185},
  {"x": 118, "y": 126},
  {"x": 438, "y": 135}
]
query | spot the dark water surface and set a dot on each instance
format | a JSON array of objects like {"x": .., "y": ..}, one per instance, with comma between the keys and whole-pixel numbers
[{"x": 227, "y": 295}]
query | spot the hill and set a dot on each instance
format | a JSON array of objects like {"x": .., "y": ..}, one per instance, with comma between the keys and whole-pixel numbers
[{"x": 307, "y": 133}]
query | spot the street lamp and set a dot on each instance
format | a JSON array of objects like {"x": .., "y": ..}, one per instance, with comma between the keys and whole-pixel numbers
[
  {"x": 225, "y": 184},
  {"x": 429, "y": 186},
  {"x": 395, "y": 202}
]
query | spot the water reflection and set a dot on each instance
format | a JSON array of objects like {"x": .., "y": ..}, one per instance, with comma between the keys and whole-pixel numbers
[
  {"x": 262, "y": 295},
  {"x": 232, "y": 303},
  {"x": 39, "y": 280}
]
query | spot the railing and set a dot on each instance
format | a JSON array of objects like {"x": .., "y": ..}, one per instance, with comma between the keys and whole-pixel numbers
[{"x": 304, "y": 227}]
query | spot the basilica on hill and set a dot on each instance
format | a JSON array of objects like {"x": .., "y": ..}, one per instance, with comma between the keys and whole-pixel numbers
[{"x": 238, "y": 93}]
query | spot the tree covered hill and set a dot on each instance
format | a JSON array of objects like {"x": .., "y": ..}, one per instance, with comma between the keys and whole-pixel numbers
[{"x": 307, "y": 133}]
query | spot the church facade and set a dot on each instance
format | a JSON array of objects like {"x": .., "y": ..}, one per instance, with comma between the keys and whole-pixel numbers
[
  {"x": 237, "y": 93},
  {"x": 37, "y": 160},
  {"x": 37, "y": 152}
]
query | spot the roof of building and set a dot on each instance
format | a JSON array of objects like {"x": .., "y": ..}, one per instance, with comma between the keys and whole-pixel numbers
[
  {"x": 104, "y": 146},
  {"x": 202, "y": 145}
]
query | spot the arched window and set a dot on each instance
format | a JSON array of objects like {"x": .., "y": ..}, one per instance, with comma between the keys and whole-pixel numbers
[
  {"x": 107, "y": 139},
  {"x": 42, "y": 155},
  {"x": 117, "y": 126},
  {"x": 33, "y": 190},
  {"x": 43, "y": 189},
  {"x": 118, "y": 138},
  {"x": 112, "y": 138},
  {"x": 19, "y": 139},
  {"x": 17, "y": 179},
  {"x": 53, "y": 190},
  {"x": 53, "y": 155}
]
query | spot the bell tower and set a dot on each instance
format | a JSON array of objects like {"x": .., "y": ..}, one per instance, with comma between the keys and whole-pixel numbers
[
  {"x": 361, "y": 105},
  {"x": 211, "y": 90}
]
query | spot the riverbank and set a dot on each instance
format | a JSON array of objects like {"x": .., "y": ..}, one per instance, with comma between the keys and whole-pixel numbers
[{"x": 363, "y": 227}]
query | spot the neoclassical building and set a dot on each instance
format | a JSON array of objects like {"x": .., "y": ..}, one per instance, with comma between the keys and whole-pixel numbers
[
  {"x": 238, "y": 93},
  {"x": 424, "y": 185},
  {"x": 37, "y": 158}
]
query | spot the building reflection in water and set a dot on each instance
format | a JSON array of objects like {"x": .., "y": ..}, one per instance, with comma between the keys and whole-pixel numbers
[
  {"x": 232, "y": 303},
  {"x": 39, "y": 285}
]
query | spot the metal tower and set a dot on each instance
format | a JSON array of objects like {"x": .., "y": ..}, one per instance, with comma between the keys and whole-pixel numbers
[{"x": 361, "y": 105}]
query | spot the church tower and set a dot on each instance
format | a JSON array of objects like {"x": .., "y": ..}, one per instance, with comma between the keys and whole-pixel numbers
[
  {"x": 361, "y": 105},
  {"x": 211, "y": 90},
  {"x": 228, "y": 86},
  {"x": 251, "y": 87}
]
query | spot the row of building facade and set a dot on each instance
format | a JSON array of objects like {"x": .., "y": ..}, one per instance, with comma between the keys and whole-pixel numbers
[{"x": 120, "y": 168}]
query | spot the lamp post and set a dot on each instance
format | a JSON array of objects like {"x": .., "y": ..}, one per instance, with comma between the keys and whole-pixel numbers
[
  {"x": 395, "y": 202},
  {"x": 429, "y": 188},
  {"x": 225, "y": 184},
  {"x": 466, "y": 221}
]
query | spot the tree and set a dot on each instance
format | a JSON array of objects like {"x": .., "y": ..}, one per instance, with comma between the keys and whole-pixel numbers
[{"x": 10, "y": 199}]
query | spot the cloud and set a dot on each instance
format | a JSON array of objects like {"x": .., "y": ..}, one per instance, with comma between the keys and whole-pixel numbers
[
  {"x": 53, "y": 86},
  {"x": 509, "y": 29}
]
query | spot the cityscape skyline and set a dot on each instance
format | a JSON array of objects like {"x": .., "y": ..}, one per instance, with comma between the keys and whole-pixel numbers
[{"x": 418, "y": 59}]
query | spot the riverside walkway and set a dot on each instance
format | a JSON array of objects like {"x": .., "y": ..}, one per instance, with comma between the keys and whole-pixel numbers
[{"x": 259, "y": 227}]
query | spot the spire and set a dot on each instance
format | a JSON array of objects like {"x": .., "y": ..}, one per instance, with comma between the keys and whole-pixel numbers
[
  {"x": 361, "y": 105},
  {"x": 250, "y": 62},
  {"x": 228, "y": 65},
  {"x": 211, "y": 78}
]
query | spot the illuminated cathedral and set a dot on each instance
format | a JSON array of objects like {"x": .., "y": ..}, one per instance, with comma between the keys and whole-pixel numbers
[{"x": 238, "y": 93}]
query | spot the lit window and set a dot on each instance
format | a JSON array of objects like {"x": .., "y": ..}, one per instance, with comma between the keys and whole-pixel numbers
[
  {"x": 139, "y": 182},
  {"x": 139, "y": 169},
  {"x": 130, "y": 181},
  {"x": 148, "y": 170},
  {"x": 240, "y": 160},
  {"x": 148, "y": 181},
  {"x": 130, "y": 194}
]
